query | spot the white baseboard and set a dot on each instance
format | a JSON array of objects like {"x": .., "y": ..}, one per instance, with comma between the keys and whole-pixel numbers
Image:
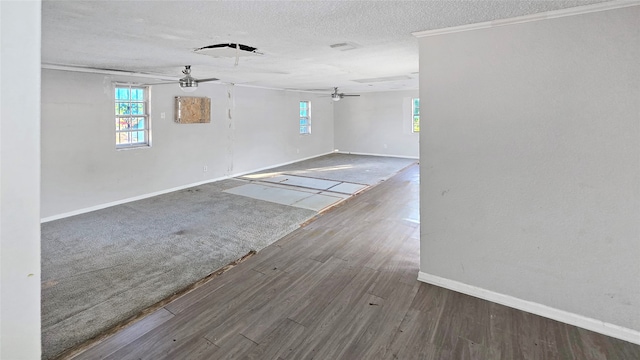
[
  {"x": 127, "y": 200},
  {"x": 584, "y": 322},
  {"x": 278, "y": 165},
  {"x": 165, "y": 191},
  {"x": 372, "y": 154}
]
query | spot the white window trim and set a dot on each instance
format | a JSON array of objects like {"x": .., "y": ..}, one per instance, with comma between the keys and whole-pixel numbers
[
  {"x": 147, "y": 115},
  {"x": 419, "y": 116},
  {"x": 308, "y": 117}
]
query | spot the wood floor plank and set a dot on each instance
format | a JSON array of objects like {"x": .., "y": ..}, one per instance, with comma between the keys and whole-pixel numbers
[
  {"x": 279, "y": 341},
  {"x": 240, "y": 279},
  {"x": 285, "y": 302},
  {"x": 388, "y": 238},
  {"x": 126, "y": 335},
  {"x": 219, "y": 329},
  {"x": 344, "y": 287},
  {"x": 193, "y": 348},
  {"x": 520, "y": 335},
  {"x": 351, "y": 327},
  {"x": 150, "y": 346},
  {"x": 375, "y": 342},
  {"x": 234, "y": 348},
  {"x": 392, "y": 273},
  {"x": 335, "y": 317},
  {"x": 467, "y": 349},
  {"x": 592, "y": 345},
  {"x": 331, "y": 242},
  {"x": 351, "y": 292},
  {"x": 310, "y": 307},
  {"x": 300, "y": 298},
  {"x": 431, "y": 300},
  {"x": 413, "y": 338},
  {"x": 294, "y": 252},
  {"x": 406, "y": 263},
  {"x": 195, "y": 320}
]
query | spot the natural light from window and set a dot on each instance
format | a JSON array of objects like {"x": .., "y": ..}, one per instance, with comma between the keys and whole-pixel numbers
[
  {"x": 132, "y": 116},
  {"x": 305, "y": 117},
  {"x": 415, "y": 111}
]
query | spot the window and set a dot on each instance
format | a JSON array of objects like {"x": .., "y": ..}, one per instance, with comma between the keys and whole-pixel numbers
[
  {"x": 132, "y": 116},
  {"x": 305, "y": 117},
  {"x": 415, "y": 112}
]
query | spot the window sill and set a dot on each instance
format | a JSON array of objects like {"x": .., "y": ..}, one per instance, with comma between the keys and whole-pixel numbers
[{"x": 137, "y": 147}]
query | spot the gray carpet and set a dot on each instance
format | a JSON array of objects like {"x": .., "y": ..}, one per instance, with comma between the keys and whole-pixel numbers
[{"x": 103, "y": 267}]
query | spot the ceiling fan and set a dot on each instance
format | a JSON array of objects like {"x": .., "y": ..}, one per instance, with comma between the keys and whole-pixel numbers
[
  {"x": 188, "y": 83},
  {"x": 336, "y": 96}
]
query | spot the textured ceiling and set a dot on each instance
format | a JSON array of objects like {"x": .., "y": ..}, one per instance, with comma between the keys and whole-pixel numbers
[{"x": 158, "y": 37}]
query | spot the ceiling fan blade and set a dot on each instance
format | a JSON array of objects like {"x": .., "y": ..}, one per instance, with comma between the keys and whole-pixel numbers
[
  {"x": 205, "y": 80},
  {"x": 348, "y": 95}
]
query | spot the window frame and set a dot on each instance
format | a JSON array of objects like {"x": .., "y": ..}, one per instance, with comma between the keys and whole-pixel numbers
[
  {"x": 146, "y": 115},
  {"x": 415, "y": 114},
  {"x": 306, "y": 119}
]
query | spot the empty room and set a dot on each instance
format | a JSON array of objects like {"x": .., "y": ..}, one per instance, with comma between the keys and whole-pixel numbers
[{"x": 320, "y": 180}]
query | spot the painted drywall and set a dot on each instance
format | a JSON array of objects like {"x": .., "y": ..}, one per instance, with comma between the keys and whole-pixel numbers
[
  {"x": 250, "y": 129},
  {"x": 258, "y": 143},
  {"x": 530, "y": 162},
  {"x": 20, "y": 180},
  {"x": 376, "y": 123}
]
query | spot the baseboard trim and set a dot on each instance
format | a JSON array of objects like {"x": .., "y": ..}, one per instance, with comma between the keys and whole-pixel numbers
[
  {"x": 281, "y": 164},
  {"x": 372, "y": 154},
  {"x": 584, "y": 322},
  {"x": 166, "y": 191},
  {"x": 127, "y": 200}
]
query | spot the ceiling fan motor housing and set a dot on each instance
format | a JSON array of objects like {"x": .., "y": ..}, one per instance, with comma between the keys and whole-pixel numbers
[{"x": 188, "y": 81}]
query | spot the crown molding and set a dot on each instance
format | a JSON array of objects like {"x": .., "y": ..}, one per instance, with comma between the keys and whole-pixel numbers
[
  {"x": 106, "y": 71},
  {"x": 578, "y": 10}
]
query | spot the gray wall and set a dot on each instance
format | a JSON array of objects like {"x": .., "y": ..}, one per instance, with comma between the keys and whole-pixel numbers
[
  {"x": 376, "y": 123},
  {"x": 82, "y": 169},
  {"x": 530, "y": 162},
  {"x": 20, "y": 180}
]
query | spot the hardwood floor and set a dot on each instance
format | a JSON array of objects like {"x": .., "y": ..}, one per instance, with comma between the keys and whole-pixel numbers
[{"x": 344, "y": 287}]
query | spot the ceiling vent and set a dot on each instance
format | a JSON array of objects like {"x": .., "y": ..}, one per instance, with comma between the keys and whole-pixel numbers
[
  {"x": 345, "y": 46},
  {"x": 228, "y": 50}
]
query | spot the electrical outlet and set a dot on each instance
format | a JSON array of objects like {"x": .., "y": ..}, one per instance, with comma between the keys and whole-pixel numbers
[
  {"x": 162, "y": 115},
  {"x": 204, "y": 168}
]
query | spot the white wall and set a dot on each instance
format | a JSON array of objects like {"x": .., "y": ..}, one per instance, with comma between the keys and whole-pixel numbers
[
  {"x": 376, "y": 123},
  {"x": 530, "y": 162},
  {"x": 82, "y": 169},
  {"x": 20, "y": 180}
]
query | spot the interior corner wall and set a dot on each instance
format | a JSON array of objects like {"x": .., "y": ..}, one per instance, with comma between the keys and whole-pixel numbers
[
  {"x": 530, "y": 162},
  {"x": 377, "y": 123},
  {"x": 250, "y": 129},
  {"x": 20, "y": 180}
]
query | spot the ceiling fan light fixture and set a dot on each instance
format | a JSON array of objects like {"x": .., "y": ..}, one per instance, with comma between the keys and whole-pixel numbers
[
  {"x": 189, "y": 88},
  {"x": 336, "y": 96},
  {"x": 188, "y": 84}
]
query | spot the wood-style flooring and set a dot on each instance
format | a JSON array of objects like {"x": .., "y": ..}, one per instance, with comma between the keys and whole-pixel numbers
[{"x": 344, "y": 287}]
